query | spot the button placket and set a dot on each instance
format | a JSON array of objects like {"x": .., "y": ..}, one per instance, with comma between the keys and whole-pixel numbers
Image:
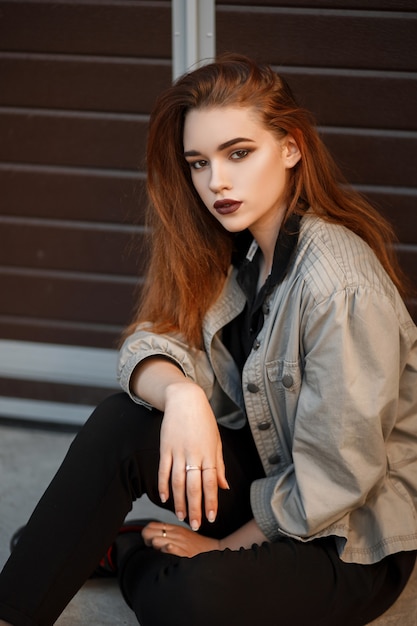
[
  {"x": 258, "y": 411},
  {"x": 274, "y": 459}
]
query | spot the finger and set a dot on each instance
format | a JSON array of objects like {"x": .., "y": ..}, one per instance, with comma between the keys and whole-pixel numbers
[
  {"x": 152, "y": 530},
  {"x": 176, "y": 541},
  {"x": 210, "y": 490},
  {"x": 171, "y": 548},
  {"x": 164, "y": 472},
  {"x": 221, "y": 470},
  {"x": 162, "y": 536},
  {"x": 178, "y": 482},
  {"x": 194, "y": 489}
]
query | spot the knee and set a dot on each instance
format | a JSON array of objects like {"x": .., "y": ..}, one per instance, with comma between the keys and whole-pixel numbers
[
  {"x": 112, "y": 428},
  {"x": 114, "y": 409}
]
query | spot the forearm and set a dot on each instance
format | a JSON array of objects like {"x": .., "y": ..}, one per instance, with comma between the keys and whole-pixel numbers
[
  {"x": 152, "y": 377},
  {"x": 244, "y": 537}
]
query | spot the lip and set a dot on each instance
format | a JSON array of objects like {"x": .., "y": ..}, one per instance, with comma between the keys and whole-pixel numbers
[{"x": 226, "y": 206}]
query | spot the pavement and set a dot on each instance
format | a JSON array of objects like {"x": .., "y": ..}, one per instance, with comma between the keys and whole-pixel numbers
[{"x": 29, "y": 459}]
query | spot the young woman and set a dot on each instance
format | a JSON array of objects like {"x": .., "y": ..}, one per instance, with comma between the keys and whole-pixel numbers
[{"x": 270, "y": 389}]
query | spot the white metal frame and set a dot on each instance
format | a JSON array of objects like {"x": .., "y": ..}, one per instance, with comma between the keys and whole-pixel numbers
[
  {"x": 193, "y": 34},
  {"x": 52, "y": 363}
]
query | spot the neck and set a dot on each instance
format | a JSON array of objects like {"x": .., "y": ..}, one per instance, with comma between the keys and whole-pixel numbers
[
  {"x": 264, "y": 271},
  {"x": 266, "y": 241},
  {"x": 266, "y": 236}
]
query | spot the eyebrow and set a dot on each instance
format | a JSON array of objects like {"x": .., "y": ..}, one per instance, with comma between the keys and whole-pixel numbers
[{"x": 222, "y": 146}]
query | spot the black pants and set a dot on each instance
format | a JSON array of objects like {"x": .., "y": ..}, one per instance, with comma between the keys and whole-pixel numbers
[{"x": 113, "y": 461}]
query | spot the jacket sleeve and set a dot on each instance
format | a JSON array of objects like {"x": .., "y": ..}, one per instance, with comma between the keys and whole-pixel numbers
[
  {"x": 143, "y": 344},
  {"x": 355, "y": 350}
]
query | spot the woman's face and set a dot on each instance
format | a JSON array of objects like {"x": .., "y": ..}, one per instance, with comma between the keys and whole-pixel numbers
[{"x": 239, "y": 168}]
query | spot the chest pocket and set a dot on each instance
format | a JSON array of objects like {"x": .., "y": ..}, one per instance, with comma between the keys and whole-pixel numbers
[{"x": 284, "y": 378}]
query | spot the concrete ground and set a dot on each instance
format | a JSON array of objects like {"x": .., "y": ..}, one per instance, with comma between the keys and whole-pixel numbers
[{"x": 28, "y": 460}]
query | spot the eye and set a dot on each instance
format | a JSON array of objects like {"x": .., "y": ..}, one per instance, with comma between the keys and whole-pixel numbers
[
  {"x": 197, "y": 165},
  {"x": 239, "y": 154}
]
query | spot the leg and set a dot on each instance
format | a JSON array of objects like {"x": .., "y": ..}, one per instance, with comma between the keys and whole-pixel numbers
[
  {"x": 286, "y": 582},
  {"x": 112, "y": 461}
]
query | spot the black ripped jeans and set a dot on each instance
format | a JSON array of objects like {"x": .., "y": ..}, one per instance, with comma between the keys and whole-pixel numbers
[{"x": 114, "y": 460}]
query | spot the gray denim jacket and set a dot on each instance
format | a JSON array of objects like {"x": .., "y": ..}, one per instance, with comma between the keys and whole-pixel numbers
[{"x": 330, "y": 392}]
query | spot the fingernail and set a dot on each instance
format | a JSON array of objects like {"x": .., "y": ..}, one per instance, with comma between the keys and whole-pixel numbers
[
  {"x": 163, "y": 498},
  {"x": 211, "y": 516},
  {"x": 195, "y": 525},
  {"x": 180, "y": 516}
]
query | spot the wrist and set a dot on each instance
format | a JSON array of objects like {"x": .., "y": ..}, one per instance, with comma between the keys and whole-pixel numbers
[{"x": 184, "y": 385}]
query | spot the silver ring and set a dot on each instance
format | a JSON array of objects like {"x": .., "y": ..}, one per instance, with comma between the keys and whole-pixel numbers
[
  {"x": 207, "y": 468},
  {"x": 188, "y": 468},
  {"x": 164, "y": 532}
]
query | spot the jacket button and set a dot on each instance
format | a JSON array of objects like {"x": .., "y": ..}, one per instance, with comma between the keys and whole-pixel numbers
[
  {"x": 256, "y": 344},
  {"x": 252, "y": 388},
  {"x": 264, "y": 425},
  {"x": 287, "y": 381},
  {"x": 274, "y": 459}
]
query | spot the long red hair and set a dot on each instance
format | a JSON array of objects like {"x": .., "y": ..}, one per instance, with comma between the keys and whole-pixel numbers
[{"x": 190, "y": 251}]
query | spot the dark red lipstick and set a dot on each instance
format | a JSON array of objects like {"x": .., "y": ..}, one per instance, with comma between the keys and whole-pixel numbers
[{"x": 226, "y": 206}]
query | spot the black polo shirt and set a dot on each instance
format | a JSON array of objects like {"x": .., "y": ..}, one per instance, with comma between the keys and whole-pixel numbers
[{"x": 240, "y": 333}]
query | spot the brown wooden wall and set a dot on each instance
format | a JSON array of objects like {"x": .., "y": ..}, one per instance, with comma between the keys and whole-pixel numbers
[{"x": 77, "y": 82}]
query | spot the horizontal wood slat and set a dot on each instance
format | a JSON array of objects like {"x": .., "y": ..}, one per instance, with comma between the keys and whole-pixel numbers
[
  {"x": 319, "y": 38},
  {"x": 374, "y": 159},
  {"x": 139, "y": 29},
  {"x": 399, "y": 207},
  {"x": 76, "y": 140},
  {"x": 383, "y": 5},
  {"x": 365, "y": 99},
  {"x": 73, "y": 297},
  {"x": 77, "y": 248},
  {"x": 46, "y": 330},
  {"x": 72, "y": 194},
  {"x": 35, "y": 390},
  {"x": 81, "y": 84}
]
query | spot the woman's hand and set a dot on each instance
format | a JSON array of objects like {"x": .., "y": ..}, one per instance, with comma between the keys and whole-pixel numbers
[
  {"x": 190, "y": 437},
  {"x": 181, "y": 541},
  {"x": 178, "y": 540}
]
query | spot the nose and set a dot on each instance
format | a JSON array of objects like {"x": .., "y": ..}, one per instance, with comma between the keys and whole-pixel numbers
[{"x": 219, "y": 179}]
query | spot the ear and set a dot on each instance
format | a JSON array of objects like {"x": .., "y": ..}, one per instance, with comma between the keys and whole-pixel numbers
[{"x": 291, "y": 152}]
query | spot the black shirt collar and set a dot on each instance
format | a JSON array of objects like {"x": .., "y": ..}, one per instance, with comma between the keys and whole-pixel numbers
[
  {"x": 248, "y": 263},
  {"x": 240, "y": 333}
]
